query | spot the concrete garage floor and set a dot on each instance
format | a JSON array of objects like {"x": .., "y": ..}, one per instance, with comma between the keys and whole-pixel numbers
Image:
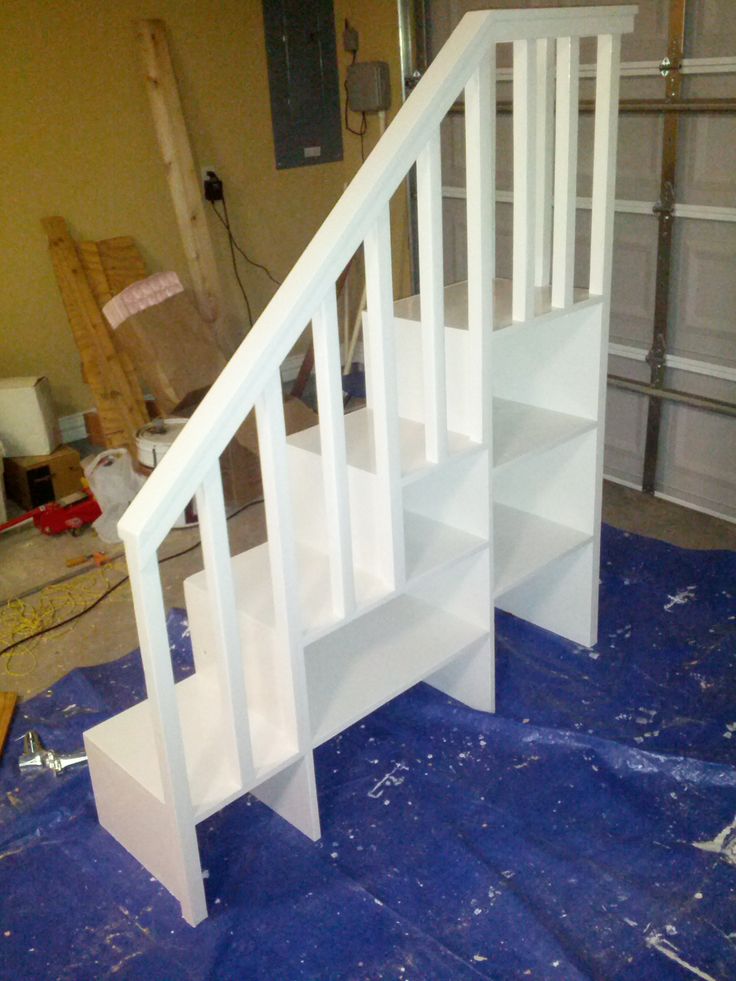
[{"x": 29, "y": 560}]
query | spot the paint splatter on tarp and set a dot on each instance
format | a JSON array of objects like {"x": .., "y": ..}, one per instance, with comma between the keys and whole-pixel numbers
[{"x": 555, "y": 840}]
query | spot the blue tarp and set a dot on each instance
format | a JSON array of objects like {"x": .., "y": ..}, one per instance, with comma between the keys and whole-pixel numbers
[{"x": 587, "y": 831}]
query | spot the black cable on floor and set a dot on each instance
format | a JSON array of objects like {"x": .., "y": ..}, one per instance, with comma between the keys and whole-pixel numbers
[{"x": 76, "y": 616}]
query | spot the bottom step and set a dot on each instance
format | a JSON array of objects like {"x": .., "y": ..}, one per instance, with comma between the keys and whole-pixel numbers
[{"x": 128, "y": 740}]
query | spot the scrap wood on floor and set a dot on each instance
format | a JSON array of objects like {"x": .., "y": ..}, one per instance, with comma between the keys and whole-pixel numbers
[{"x": 584, "y": 832}]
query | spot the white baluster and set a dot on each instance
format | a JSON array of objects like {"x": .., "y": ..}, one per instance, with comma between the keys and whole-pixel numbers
[
  {"x": 221, "y": 592},
  {"x": 334, "y": 466},
  {"x": 382, "y": 364},
  {"x": 279, "y": 521},
  {"x": 566, "y": 169},
  {"x": 291, "y": 794},
  {"x": 545, "y": 160},
  {"x": 525, "y": 182},
  {"x": 480, "y": 167},
  {"x": 604, "y": 162},
  {"x": 150, "y": 614},
  {"x": 431, "y": 280}
]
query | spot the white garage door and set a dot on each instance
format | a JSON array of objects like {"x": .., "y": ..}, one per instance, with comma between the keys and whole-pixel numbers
[{"x": 692, "y": 451}]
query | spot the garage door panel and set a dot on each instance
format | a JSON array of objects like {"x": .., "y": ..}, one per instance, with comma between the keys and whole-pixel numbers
[
  {"x": 453, "y": 151},
  {"x": 711, "y": 28},
  {"x": 634, "y": 270},
  {"x": 626, "y": 427},
  {"x": 455, "y": 240},
  {"x": 697, "y": 459},
  {"x": 707, "y": 160},
  {"x": 703, "y": 298}
]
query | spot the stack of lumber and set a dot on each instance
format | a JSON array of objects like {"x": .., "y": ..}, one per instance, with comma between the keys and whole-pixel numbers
[{"x": 89, "y": 274}]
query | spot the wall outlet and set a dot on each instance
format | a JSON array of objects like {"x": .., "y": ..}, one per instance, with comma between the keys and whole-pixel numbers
[{"x": 212, "y": 185}]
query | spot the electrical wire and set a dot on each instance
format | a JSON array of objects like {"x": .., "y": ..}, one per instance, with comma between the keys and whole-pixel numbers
[
  {"x": 231, "y": 242},
  {"x": 111, "y": 589},
  {"x": 226, "y": 225}
]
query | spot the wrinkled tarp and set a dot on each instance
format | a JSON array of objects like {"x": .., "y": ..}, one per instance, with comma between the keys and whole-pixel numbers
[{"x": 586, "y": 831}]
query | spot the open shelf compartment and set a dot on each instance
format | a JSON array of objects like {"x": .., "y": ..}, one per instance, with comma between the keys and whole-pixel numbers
[
  {"x": 127, "y": 740},
  {"x": 364, "y": 664},
  {"x": 360, "y": 445},
  {"x": 524, "y": 544},
  {"x": 520, "y": 430}
]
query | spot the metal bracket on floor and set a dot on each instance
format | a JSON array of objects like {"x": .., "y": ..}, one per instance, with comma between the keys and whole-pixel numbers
[{"x": 36, "y": 756}]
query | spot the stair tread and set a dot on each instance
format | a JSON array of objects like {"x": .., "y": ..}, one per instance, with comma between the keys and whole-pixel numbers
[
  {"x": 360, "y": 445},
  {"x": 520, "y": 429},
  {"x": 456, "y": 304},
  {"x": 429, "y": 544},
  {"x": 254, "y": 598},
  {"x": 369, "y": 661},
  {"x": 128, "y": 740},
  {"x": 525, "y": 543}
]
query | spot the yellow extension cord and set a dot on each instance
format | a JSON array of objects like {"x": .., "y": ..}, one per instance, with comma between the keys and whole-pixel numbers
[{"x": 32, "y": 615}]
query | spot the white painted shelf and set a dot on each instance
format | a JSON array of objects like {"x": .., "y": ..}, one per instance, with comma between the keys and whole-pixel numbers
[
  {"x": 456, "y": 304},
  {"x": 432, "y": 545},
  {"x": 364, "y": 664},
  {"x": 520, "y": 430},
  {"x": 525, "y": 543},
  {"x": 254, "y": 594},
  {"x": 429, "y": 545},
  {"x": 127, "y": 740},
  {"x": 361, "y": 449}
]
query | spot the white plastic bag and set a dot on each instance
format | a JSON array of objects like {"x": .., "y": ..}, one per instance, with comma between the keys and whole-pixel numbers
[{"x": 114, "y": 483}]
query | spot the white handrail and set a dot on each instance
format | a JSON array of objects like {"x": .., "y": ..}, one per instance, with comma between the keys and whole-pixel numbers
[{"x": 174, "y": 482}]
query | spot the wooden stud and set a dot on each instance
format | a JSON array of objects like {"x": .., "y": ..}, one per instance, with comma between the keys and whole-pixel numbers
[
  {"x": 181, "y": 172},
  {"x": 110, "y": 266},
  {"x": 118, "y": 399}
]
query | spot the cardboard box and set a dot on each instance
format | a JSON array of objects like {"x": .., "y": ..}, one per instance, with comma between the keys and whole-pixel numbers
[
  {"x": 34, "y": 480},
  {"x": 297, "y": 416},
  {"x": 28, "y": 425}
]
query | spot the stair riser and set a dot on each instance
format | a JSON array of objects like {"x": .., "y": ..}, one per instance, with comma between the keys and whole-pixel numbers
[
  {"x": 265, "y": 664},
  {"x": 543, "y": 363},
  {"x": 310, "y": 523}
]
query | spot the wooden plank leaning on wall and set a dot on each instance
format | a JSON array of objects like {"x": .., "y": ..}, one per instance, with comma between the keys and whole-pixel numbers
[
  {"x": 117, "y": 394},
  {"x": 181, "y": 173}
]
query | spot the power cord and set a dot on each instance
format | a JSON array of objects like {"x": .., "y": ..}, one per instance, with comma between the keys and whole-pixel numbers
[
  {"x": 234, "y": 246},
  {"x": 108, "y": 592},
  {"x": 231, "y": 242},
  {"x": 226, "y": 224}
]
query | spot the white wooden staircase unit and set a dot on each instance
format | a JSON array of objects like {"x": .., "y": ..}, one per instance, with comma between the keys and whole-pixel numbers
[{"x": 472, "y": 478}]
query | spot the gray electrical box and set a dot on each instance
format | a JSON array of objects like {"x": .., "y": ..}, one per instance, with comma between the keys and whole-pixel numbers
[
  {"x": 303, "y": 80},
  {"x": 369, "y": 86}
]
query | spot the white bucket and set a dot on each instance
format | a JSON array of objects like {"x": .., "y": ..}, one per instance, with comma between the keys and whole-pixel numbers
[{"x": 153, "y": 441}]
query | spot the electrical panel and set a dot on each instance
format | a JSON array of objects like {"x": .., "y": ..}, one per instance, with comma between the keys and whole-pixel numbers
[
  {"x": 369, "y": 86},
  {"x": 303, "y": 81}
]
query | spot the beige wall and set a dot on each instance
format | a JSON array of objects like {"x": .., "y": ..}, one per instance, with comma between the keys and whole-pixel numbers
[{"x": 78, "y": 141}]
